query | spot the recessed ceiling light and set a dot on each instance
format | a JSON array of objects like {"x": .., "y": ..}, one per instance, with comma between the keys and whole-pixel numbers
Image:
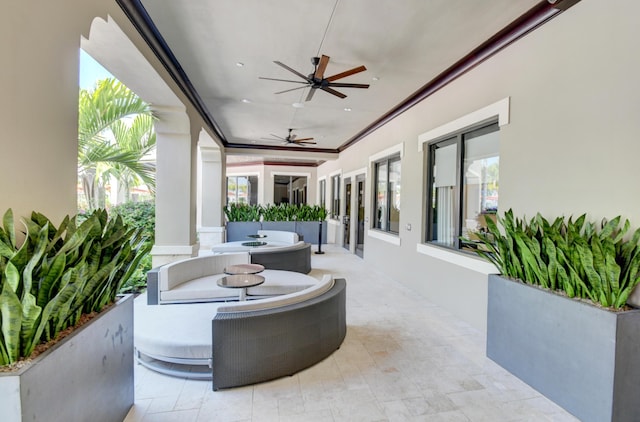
[
  {"x": 298, "y": 105},
  {"x": 246, "y": 101},
  {"x": 347, "y": 109},
  {"x": 239, "y": 64},
  {"x": 375, "y": 78}
]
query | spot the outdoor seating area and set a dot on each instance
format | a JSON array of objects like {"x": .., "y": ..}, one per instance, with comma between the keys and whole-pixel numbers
[
  {"x": 225, "y": 318},
  {"x": 412, "y": 360},
  {"x": 196, "y": 279}
]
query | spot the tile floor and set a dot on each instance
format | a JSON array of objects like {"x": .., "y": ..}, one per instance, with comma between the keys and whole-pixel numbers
[{"x": 404, "y": 359}]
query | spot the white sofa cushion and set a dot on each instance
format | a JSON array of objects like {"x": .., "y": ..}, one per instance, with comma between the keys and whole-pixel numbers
[
  {"x": 277, "y": 282},
  {"x": 206, "y": 288},
  {"x": 279, "y": 236},
  {"x": 176, "y": 273},
  {"x": 174, "y": 331},
  {"x": 275, "y": 302}
]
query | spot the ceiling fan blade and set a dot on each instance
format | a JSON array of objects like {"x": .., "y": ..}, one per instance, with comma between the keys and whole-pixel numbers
[
  {"x": 280, "y": 138},
  {"x": 310, "y": 94},
  {"x": 304, "y": 143},
  {"x": 333, "y": 91},
  {"x": 324, "y": 61},
  {"x": 346, "y": 85},
  {"x": 304, "y": 139},
  {"x": 347, "y": 73},
  {"x": 287, "y": 90},
  {"x": 292, "y": 70},
  {"x": 282, "y": 80}
]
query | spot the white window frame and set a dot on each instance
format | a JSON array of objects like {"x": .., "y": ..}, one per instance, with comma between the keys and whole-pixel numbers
[
  {"x": 387, "y": 237},
  {"x": 500, "y": 109}
]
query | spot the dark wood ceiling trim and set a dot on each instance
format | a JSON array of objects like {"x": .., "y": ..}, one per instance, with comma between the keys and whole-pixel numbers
[
  {"x": 282, "y": 148},
  {"x": 532, "y": 19},
  {"x": 274, "y": 163},
  {"x": 141, "y": 20}
]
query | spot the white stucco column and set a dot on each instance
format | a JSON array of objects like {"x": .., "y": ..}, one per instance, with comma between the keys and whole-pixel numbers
[
  {"x": 175, "y": 188},
  {"x": 211, "y": 181}
]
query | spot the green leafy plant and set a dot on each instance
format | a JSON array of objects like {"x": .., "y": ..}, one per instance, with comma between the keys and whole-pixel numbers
[
  {"x": 572, "y": 256},
  {"x": 59, "y": 274},
  {"x": 142, "y": 216},
  {"x": 281, "y": 212}
]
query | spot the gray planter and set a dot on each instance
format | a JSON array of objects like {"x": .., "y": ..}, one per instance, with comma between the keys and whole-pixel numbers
[
  {"x": 308, "y": 231},
  {"x": 240, "y": 230},
  {"x": 88, "y": 376},
  {"x": 584, "y": 358},
  {"x": 286, "y": 226}
]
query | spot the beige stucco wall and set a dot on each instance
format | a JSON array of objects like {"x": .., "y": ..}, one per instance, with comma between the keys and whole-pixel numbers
[
  {"x": 38, "y": 106},
  {"x": 571, "y": 145},
  {"x": 40, "y": 44}
]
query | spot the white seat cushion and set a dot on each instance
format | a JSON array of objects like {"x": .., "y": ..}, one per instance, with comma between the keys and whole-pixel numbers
[
  {"x": 174, "y": 331},
  {"x": 206, "y": 288},
  {"x": 278, "y": 282},
  {"x": 277, "y": 301},
  {"x": 199, "y": 289},
  {"x": 280, "y": 236}
]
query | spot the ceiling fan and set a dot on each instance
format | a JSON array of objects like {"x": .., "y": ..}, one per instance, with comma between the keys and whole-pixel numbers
[
  {"x": 316, "y": 80},
  {"x": 292, "y": 139}
]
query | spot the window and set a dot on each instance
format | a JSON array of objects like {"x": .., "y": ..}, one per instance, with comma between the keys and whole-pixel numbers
[
  {"x": 242, "y": 190},
  {"x": 288, "y": 189},
  {"x": 387, "y": 194},
  {"x": 322, "y": 191},
  {"x": 335, "y": 196},
  {"x": 463, "y": 178}
]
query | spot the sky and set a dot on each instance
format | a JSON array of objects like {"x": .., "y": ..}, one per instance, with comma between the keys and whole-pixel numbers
[{"x": 91, "y": 71}]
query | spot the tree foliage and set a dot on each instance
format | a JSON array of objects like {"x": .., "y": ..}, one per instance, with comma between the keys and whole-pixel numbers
[{"x": 115, "y": 133}]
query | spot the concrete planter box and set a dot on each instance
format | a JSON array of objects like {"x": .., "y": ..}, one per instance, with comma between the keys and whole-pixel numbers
[
  {"x": 285, "y": 226},
  {"x": 88, "y": 376},
  {"x": 584, "y": 358},
  {"x": 240, "y": 230},
  {"x": 308, "y": 230}
]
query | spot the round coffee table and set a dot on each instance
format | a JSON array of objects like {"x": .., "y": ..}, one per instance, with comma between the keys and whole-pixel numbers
[
  {"x": 242, "y": 282},
  {"x": 254, "y": 243},
  {"x": 244, "y": 269}
]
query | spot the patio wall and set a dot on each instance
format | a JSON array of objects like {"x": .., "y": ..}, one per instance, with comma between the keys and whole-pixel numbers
[{"x": 571, "y": 146}]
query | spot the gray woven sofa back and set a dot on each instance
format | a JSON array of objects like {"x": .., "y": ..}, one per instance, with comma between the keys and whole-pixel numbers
[
  {"x": 296, "y": 258},
  {"x": 257, "y": 346}
]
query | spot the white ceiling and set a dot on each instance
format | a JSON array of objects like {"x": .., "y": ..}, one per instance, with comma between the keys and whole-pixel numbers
[{"x": 403, "y": 43}]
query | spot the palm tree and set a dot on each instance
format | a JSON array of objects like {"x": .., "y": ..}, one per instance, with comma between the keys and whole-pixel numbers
[{"x": 115, "y": 133}]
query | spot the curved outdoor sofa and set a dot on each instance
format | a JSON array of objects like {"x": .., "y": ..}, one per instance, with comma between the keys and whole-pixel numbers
[
  {"x": 194, "y": 279},
  {"x": 282, "y": 251},
  {"x": 261, "y": 340},
  {"x": 240, "y": 343}
]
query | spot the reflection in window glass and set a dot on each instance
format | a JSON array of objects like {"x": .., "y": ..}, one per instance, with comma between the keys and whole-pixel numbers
[
  {"x": 242, "y": 190},
  {"x": 335, "y": 196},
  {"x": 481, "y": 169},
  {"x": 381, "y": 197},
  {"x": 322, "y": 188},
  {"x": 387, "y": 195},
  {"x": 394, "y": 191},
  {"x": 445, "y": 188}
]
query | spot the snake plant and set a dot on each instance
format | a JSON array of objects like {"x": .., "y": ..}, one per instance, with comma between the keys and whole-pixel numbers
[
  {"x": 58, "y": 274},
  {"x": 576, "y": 257}
]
